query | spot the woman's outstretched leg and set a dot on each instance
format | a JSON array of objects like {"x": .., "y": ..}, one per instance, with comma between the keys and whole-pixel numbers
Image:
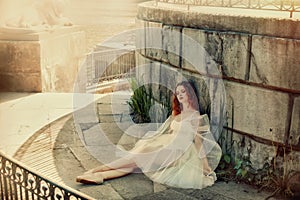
[
  {"x": 117, "y": 164},
  {"x": 99, "y": 177}
]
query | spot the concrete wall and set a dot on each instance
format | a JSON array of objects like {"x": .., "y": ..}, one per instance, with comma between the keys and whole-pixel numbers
[
  {"x": 258, "y": 61},
  {"x": 20, "y": 66},
  {"x": 40, "y": 62}
]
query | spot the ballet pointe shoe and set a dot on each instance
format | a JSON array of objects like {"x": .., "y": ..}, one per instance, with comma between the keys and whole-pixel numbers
[{"x": 91, "y": 178}]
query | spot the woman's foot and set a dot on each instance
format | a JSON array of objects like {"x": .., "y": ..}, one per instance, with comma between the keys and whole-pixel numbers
[
  {"x": 212, "y": 174},
  {"x": 90, "y": 178}
]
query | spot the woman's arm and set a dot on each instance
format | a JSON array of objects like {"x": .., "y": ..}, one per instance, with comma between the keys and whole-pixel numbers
[
  {"x": 198, "y": 142},
  {"x": 201, "y": 126}
]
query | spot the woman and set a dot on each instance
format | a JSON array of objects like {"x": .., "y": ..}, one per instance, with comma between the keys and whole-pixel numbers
[{"x": 181, "y": 153}]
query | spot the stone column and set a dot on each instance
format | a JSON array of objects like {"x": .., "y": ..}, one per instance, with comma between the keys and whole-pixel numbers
[{"x": 40, "y": 49}]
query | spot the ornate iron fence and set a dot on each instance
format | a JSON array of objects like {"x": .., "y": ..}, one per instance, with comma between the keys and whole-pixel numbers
[
  {"x": 290, "y": 6},
  {"x": 19, "y": 182},
  {"x": 109, "y": 64}
]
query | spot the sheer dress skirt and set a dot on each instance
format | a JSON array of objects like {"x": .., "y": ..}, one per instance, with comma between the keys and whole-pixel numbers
[{"x": 173, "y": 159}]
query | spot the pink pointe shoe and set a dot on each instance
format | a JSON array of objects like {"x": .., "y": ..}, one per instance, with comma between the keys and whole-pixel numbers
[{"x": 91, "y": 178}]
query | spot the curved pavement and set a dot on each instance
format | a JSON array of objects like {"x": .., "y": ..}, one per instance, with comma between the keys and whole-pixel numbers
[{"x": 71, "y": 158}]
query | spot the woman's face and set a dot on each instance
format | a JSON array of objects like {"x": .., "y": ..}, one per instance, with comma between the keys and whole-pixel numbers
[{"x": 181, "y": 94}]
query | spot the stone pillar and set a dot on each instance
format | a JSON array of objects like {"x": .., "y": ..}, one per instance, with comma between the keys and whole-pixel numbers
[{"x": 40, "y": 61}]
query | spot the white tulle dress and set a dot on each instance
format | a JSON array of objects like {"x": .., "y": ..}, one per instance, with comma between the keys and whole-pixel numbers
[{"x": 173, "y": 155}]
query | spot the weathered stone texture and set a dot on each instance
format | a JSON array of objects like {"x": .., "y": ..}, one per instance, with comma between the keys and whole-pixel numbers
[
  {"x": 235, "y": 55},
  {"x": 194, "y": 56},
  {"x": 260, "y": 154},
  {"x": 20, "y": 82},
  {"x": 257, "y": 111},
  {"x": 213, "y": 43},
  {"x": 217, "y": 93},
  {"x": 154, "y": 82},
  {"x": 276, "y": 62},
  {"x": 221, "y": 20},
  {"x": 153, "y": 38},
  {"x": 171, "y": 45},
  {"x": 60, "y": 60},
  {"x": 170, "y": 76},
  {"x": 140, "y": 41},
  {"x": 20, "y": 66},
  {"x": 142, "y": 68},
  {"x": 295, "y": 123},
  {"x": 229, "y": 50},
  {"x": 19, "y": 56},
  {"x": 49, "y": 62}
]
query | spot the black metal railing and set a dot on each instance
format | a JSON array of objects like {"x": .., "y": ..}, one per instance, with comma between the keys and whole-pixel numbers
[
  {"x": 109, "y": 64},
  {"x": 290, "y": 6},
  {"x": 19, "y": 182}
]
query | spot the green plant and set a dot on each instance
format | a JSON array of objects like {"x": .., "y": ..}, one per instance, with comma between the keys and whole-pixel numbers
[
  {"x": 225, "y": 161},
  {"x": 140, "y": 102},
  {"x": 242, "y": 166}
]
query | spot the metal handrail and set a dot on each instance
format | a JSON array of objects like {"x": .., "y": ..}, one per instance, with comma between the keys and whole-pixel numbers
[
  {"x": 290, "y": 6},
  {"x": 18, "y": 181},
  {"x": 107, "y": 65}
]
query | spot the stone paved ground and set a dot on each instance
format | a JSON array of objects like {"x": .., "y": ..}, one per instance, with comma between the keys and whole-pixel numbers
[
  {"x": 72, "y": 159},
  {"x": 57, "y": 152}
]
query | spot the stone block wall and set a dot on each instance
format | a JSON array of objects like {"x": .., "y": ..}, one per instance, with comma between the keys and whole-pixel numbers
[
  {"x": 40, "y": 62},
  {"x": 259, "y": 68},
  {"x": 20, "y": 66}
]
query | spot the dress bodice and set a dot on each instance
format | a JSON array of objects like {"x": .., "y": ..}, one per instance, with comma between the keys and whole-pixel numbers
[
  {"x": 183, "y": 133},
  {"x": 184, "y": 123},
  {"x": 175, "y": 125}
]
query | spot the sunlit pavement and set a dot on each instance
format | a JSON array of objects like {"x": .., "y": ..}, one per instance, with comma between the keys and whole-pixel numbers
[
  {"x": 56, "y": 151},
  {"x": 23, "y": 114},
  {"x": 70, "y": 151}
]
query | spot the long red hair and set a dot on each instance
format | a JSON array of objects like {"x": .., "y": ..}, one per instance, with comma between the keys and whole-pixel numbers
[{"x": 193, "y": 100}]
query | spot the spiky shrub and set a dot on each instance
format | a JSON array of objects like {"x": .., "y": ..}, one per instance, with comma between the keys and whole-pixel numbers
[{"x": 140, "y": 102}]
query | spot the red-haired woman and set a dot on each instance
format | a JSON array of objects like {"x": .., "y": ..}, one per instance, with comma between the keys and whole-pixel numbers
[{"x": 181, "y": 153}]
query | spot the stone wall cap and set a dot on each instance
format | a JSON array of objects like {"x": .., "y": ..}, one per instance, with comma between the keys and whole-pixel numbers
[
  {"x": 251, "y": 21},
  {"x": 25, "y": 34}
]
